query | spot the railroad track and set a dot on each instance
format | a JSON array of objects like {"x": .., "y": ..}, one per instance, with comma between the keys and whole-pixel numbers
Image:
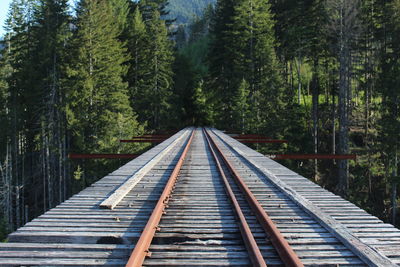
[
  {"x": 201, "y": 202},
  {"x": 201, "y": 198}
]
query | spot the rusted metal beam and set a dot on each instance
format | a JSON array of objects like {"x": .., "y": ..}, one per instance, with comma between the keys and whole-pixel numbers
[
  {"x": 250, "y": 136},
  {"x": 147, "y": 138},
  {"x": 144, "y": 140},
  {"x": 313, "y": 156},
  {"x": 285, "y": 251},
  {"x": 102, "y": 156},
  {"x": 263, "y": 141},
  {"x": 256, "y": 257},
  {"x": 141, "y": 249},
  {"x": 153, "y": 136},
  {"x": 232, "y": 132},
  {"x": 167, "y": 132}
]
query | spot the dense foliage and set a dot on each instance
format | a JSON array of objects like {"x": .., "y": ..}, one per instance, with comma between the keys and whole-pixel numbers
[
  {"x": 75, "y": 84},
  {"x": 323, "y": 74}
]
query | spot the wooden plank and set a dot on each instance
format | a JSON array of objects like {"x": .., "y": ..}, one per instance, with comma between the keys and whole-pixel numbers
[
  {"x": 81, "y": 247},
  {"x": 112, "y": 201},
  {"x": 367, "y": 253},
  {"x": 60, "y": 262}
]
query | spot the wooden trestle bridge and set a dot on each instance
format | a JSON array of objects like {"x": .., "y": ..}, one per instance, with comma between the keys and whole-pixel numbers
[{"x": 203, "y": 198}]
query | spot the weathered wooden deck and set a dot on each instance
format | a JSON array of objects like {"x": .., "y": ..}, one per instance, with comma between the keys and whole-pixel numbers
[{"x": 199, "y": 227}]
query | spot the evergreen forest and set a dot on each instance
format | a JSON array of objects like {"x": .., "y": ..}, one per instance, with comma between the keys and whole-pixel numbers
[{"x": 322, "y": 74}]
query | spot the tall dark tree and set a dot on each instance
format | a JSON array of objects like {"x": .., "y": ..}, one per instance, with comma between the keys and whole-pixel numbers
[
  {"x": 390, "y": 108},
  {"x": 120, "y": 9},
  {"x": 5, "y": 180},
  {"x": 99, "y": 112},
  {"x": 256, "y": 60},
  {"x": 151, "y": 69},
  {"x": 138, "y": 49},
  {"x": 19, "y": 55},
  {"x": 344, "y": 25},
  {"x": 148, "y": 7},
  {"x": 52, "y": 33},
  {"x": 221, "y": 63},
  {"x": 244, "y": 48}
]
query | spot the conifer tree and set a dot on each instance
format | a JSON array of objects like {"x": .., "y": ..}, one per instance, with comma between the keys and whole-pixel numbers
[
  {"x": 186, "y": 79},
  {"x": 256, "y": 60},
  {"x": 120, "y": 9},
  {"x": 344, "y": 26},
  {"x": 242, "y": 106},
  {"x": 138, "y": 47},
  {"x": 201, "y": 107},
  {"x": 148, "y": 7},
  {"x": 4, "y": 69},
  {"x": 22, "y": 101},
  {"x": 4, "y": 145},
  {"x": 223, "y": 81},
  {"x": 243, "y": 48},
  {"x": 52, "y": 33},
  {"x": 390, "y": 107},
  {"x": 99, "y": 113},
  {"x": 154, "y": 92}
]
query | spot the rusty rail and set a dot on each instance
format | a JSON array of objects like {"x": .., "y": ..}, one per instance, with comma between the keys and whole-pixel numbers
[
  {"x": 251, "y": 245},
  {"x": 285, "y": 251},
  {"x": 141, "y": 250}
]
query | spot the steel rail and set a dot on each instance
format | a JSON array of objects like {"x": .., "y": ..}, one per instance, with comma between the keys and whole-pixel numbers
[
  {"x": 285, "y": 251},
  {"x": 141, "y": 250},
  {"x": 251, "y": 245}
]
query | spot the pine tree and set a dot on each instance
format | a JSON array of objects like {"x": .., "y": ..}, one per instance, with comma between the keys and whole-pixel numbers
[
  {"x": 120, "y": 10},
  {"x": 52, "y": 32},
  {"x": 156, "y": 90},
  {"x": 148, "y": 7},
  {"x": 99, "y": 113},
  {"x": 344, "y": 27},
  {"x": 244, "y": 48},
  {"x": 22, "y": 102},
  {"x": 186, "y": 79},
  {"x": 256, "y": 60},
  {"x": 138, "y": 48},
  {"x": 390, "y": 107},
  {"x": 223, "y": 81},
  {"x": 242, "y": 107},
  {"x": 4, "y": 143},
  {"x": 201, "y": 108}
]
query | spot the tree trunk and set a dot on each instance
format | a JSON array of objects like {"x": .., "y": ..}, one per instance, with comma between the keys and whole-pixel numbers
[
  {"x": 43, "y": 156},
  {"x": 344, "y": 52},
  {"x": 298, "y": 68},
  {"x": 344, "y": 25},
  {"x": 9, "y": 187},
  {"x": 343, "y": 126},
  {"x": 315, "y": 102},
  {"x": 333, "y": 121},
  {"x": 394, "y": 189}
]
